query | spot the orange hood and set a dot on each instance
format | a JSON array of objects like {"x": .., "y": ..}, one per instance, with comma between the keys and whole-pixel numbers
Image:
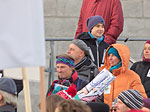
[{"x": 124, "y": 53}]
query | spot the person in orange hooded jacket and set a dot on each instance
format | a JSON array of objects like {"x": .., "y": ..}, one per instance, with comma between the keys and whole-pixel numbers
[{"x": 117, "y": 61}]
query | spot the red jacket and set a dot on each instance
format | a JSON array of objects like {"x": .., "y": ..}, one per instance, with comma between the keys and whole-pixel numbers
[{"x": 110, "y": 10}]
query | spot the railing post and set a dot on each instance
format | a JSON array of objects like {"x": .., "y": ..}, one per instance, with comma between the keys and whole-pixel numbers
[{"x": 51, "y": 63}]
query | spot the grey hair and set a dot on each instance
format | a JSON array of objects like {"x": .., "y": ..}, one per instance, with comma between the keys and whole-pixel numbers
[{"x": 8, "y": 98}]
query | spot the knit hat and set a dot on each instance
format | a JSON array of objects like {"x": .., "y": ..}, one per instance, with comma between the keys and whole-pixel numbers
[
  {"x": 146, "y": 102},
  {"x": 94, "y": 20},
  {"x": 8, "y": 85},
  {"x": 64, "y": 60},
  {"x": 131, "y": 98},
  {"x": 113, "y": 51},
  {"x": 82, "y": 45},
  {"x": 148, "y": 41},
  {"x": 69, "y": 93}
]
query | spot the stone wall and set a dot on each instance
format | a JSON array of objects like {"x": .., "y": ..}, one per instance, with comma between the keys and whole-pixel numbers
[{"x": 61, "y": 18}]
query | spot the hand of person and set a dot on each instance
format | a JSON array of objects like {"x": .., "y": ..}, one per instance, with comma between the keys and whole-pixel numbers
[
  {"x": 94, "y": 90},
  {"x": 84, "y": 90}
]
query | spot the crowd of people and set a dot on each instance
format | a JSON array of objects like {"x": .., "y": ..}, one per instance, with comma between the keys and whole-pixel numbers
[
  {"x": 93, "y": 50},
  {"x": 129, "y": 91},
  {"x": 87, "y": 56}
]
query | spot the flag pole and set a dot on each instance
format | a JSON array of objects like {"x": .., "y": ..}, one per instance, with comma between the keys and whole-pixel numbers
[
  {"x": 42, "y": 90},
  {"x": 26, "y": 91}
]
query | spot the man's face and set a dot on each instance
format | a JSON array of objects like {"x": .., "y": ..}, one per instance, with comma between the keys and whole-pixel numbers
[
  {"x": 74, "y": 51},
  {"x": 121, "y": 107},
  {"x": 113, "y": 60},
  {"x": 98, "y": 30},
  {"x": 64, "y": 71}
]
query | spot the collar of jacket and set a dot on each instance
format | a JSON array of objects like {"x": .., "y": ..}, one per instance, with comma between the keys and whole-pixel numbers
[
  {"x": 98, "y": 39},
  {"x": 84, "y": 35},
  {"x": 146, "y": 62},
  {"x": 84, "y": 61},
  {"x": 116, "y": 72},
  {"x": 73, "y": 77}
]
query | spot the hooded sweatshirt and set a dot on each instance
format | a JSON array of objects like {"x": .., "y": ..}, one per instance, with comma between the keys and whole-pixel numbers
[{"x": 125, "y": 78}]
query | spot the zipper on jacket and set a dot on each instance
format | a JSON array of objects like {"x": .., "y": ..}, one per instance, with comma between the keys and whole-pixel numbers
[
  {"x": 103, "y": 57},
  {"x": 91, "y": 54},
  {"x": 97, "y": 53},
  {"x": 113, "y": 91}
]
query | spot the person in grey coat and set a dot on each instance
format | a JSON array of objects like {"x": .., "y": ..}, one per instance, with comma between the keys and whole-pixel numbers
[{"x": 85, "y": 67}]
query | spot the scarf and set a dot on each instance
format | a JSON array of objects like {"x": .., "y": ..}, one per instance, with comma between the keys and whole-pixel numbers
[
  {"x": 98, "y": 39},
  {"x": 116, "y": 67}
]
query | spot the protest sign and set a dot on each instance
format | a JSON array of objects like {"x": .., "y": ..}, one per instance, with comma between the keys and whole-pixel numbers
[{"x": 97, "y": 85}]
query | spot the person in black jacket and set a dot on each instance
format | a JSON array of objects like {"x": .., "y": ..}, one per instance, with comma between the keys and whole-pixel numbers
[
  {"x": 8, "y": 95},
  {"x": 67, "y": 75},
  {"x": 94, "y": 39},
  {"x": 84, "y": 66},
  {"x": 142, "y": 68}
]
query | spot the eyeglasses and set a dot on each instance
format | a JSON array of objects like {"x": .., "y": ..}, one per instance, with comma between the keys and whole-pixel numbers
[{"x": 113, "y": 109}]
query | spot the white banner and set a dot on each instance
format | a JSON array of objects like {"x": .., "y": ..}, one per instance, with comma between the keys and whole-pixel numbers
[
  {"x": 22, "y": 42},
  {"x": 97, "y": 85}
]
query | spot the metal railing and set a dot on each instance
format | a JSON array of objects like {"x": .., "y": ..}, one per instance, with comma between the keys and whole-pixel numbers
[{"x": 51, "y": 68}]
